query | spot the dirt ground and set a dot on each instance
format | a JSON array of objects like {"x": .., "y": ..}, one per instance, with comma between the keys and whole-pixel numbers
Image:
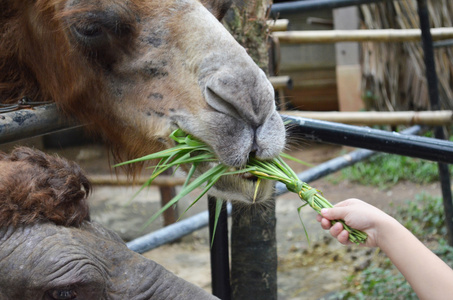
[{"x": 307, "y": 270}]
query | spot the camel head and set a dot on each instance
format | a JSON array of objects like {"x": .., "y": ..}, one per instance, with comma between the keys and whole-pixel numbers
[{"x": 136, "y": 70}]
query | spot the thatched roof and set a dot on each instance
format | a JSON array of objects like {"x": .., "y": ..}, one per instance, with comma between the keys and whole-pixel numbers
[{"x": 394, "y": 73}]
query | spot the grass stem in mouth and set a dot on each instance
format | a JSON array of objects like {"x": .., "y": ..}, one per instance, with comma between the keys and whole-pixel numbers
[{"x": 189, "y": 150}]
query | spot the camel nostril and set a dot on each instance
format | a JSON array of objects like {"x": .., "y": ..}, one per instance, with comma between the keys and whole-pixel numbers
[
  {"x": 220, "y": 104},
  {"x": 254, "y": 148}
]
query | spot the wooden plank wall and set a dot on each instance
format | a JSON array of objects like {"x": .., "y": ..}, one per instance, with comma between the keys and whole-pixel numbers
[{"x": 312, "y": 67}]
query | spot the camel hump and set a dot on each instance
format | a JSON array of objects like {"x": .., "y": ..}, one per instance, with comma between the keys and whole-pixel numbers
[{"x": 37, "y": 187}]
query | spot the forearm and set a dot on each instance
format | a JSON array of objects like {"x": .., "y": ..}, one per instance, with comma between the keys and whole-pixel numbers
[{"x": 428, "y": 275}]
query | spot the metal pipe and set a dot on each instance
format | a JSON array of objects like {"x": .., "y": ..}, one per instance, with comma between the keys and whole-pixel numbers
[
  {"x": 171, "y": 232},
  {"x": 431, "y": 76},
  {"x": 337, "y": 164},
  {"x": 446, "y": 43},
  {"x": 430, "y": 118},
  {"x": 328, "y": 167},
  {"x": 122, "y": 180},
  {"x": 25, "y": 123},
  {"x": 312, "y": 5},
  {"x": 373, "y": 139}
]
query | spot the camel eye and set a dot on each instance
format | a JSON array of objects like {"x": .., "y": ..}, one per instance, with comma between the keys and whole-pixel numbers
[
  {"x": 89, "y": 34},
  {"x": 63, "y": 294},
  {"x": 89, "y": 31}
]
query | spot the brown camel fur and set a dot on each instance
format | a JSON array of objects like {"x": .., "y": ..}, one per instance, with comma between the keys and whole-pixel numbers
[
  {"x": 38, "y": 187},
  {"x": 136, "y": 70}
]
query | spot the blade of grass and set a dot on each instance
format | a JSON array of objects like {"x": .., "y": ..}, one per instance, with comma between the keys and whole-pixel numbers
[
  {"x": 285, "y": 155},
  {"x": 157, "y": 155},
  {"x": 190, "y": 174},
  {"x": 257, "y": 185},
  {"x": 218, "y": 209},
  {"x": 215, "y": 177},
  {"x": 192, "y": 186},
  {"x": 299, "y": 211}
]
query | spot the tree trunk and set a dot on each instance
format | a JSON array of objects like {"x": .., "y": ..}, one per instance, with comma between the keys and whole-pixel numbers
[
  {"x": 254, "y": 253},
  {"x": 246, "y": 21},
  {"x": 253, "y": 239}
]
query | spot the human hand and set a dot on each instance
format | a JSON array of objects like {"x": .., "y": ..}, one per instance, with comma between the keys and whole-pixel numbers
[{"x": 357, "y": 214}]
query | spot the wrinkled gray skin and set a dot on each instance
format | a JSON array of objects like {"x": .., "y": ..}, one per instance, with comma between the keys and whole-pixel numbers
[{"x": 45, "y": 261}]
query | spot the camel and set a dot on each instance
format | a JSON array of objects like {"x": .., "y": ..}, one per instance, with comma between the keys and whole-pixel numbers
[
  {"x": 136, "y": 70},
  {"x": 50, "y": 249}
]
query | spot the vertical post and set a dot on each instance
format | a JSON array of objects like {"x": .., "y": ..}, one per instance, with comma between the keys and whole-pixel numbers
[
  {"x": 253, "y": 238},
  {"x": 254, "y": 253},
  {"x": 431, "y": 77},
  {"x": 220, "y": 263},
  {"x": 348, "y": 69}
]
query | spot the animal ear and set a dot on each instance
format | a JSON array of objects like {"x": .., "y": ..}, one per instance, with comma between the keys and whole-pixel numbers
[{"x": 217, "y": 7}]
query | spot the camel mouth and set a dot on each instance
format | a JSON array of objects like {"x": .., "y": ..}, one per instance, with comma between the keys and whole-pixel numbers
[
  {"x": 248, "y": 176},
  {"x": 245, "y": 176},
  {"x": 242, "y": 187}
]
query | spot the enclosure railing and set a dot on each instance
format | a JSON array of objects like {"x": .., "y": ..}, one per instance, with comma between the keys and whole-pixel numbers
[{"x": 312, "y": 5}]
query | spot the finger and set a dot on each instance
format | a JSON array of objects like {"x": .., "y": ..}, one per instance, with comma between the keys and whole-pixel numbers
[
  {"x": 336, "y": 229},
  {"x": 325, "y": 224},
  {"x": 343, "y": 237},
  {"x": 318, "y": 218},
  {"x": 334, "y": 213}
]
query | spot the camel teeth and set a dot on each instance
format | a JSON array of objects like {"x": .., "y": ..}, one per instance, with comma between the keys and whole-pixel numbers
[{"x": 247, "y": 175}]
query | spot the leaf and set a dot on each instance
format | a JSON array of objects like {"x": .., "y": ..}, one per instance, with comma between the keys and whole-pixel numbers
[
  {"x": 302, "y": 222},
  {"x": 308, "y": 196},
  {"x": 190, "y": 174},
  {"x": 218, "y": 209},
  {"x": 215, "y": 177},
  {"x": 256, "y": 189},
  {"x": 192, "y": 186},
  {"x": 178, "y": 136},
  {"x": 285, "y": 155},
  {"x": 158, "y": 155}
]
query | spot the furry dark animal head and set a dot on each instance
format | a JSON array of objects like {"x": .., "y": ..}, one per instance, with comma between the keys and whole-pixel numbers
[{"x": 37, "y": 187}]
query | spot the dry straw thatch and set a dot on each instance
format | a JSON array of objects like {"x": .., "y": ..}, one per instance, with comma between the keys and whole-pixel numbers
[{"x": 394, "y": 73}]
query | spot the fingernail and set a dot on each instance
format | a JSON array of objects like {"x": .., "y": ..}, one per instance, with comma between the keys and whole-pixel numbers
[{"x": 324, "y": 211}]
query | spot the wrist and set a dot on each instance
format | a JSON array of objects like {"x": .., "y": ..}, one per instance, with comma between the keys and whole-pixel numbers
[{"x": 386, "y": 231}]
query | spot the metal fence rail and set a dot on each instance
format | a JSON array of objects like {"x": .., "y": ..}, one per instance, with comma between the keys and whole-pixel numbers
[
  {"x": 27, "y": 123},
  {"x": 312, "y": 5},
  {"x": 374, "y": 139}
]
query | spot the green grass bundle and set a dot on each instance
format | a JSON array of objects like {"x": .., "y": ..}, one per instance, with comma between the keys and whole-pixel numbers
[{"x": 192, "y": 152}]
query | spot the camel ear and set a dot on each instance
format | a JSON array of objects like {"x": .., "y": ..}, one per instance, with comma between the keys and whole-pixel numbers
[{"x": 217, "y": 7}]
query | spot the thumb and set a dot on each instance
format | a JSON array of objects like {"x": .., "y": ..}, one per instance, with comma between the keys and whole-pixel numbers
[{"x": 334, "y": 213}]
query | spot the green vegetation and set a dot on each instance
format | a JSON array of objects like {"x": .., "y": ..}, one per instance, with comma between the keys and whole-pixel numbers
[
  {"x": 385, "y": 170},
  {"x": 378, "y": 284},
  {"x": 424, "y": 217}
]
